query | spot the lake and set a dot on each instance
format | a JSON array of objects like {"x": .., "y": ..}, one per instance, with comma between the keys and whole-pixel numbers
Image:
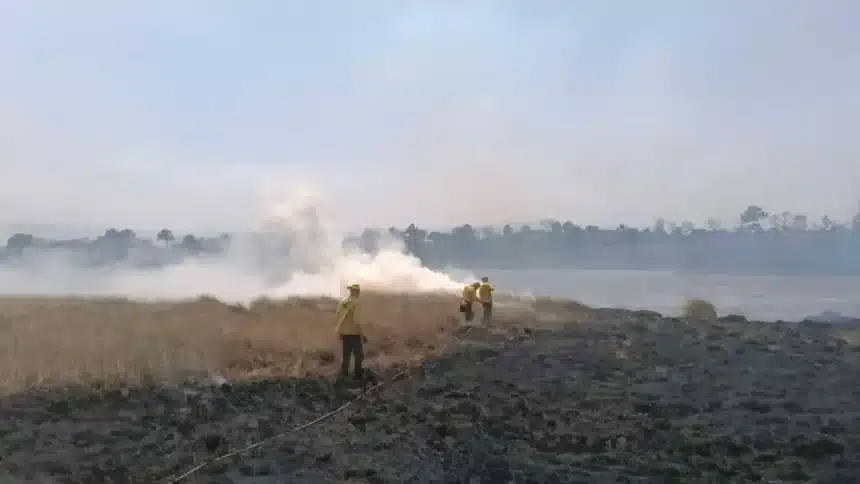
[{"x": 757, "y": 297}]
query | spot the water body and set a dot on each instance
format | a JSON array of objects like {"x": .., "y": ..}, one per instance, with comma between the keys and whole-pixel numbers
[{"x": 757, "y": 297}]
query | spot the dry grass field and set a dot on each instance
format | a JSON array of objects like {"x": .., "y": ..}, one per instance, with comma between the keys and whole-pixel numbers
[
  {"x": 56, "y": 342},
  {"x": 49, "y": 342}
]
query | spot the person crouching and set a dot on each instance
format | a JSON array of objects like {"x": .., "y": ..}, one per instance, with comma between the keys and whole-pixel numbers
[{"x": 467, "y": 305}]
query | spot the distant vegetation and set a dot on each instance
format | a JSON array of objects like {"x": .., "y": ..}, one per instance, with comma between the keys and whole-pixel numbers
[{"x": 759, "y": 242}]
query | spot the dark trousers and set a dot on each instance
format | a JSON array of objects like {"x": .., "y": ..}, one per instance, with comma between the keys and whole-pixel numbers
[
  {"x": 468, "y": 310},
  {"x": 487, "y": 313},
  {"x": 352, "y": 346}
]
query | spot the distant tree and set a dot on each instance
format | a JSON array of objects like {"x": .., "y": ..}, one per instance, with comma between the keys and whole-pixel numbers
[
  {"x": 826, "y": 223},
  {"x": 19, "y": 242},
  {"x": 221, "y": 243},
  {"x": 166, "y": 236},
  {"x": 507, "y": 230},
  {"x": 799, "y": 223},
  {"x": 415, "y": 238},
  {"x": 774, "y": 221},
  {"x": 752, "y": 217},
  {"x": 126, "y": 235},
  {"x": 465, "y": 231},
  {"x": 436, "y": 237},
  {"x": 570, "y": 228},
  {"x": 464, "y": 238},
  {"x": 785, "y": 220},
  {"x": 547, "y": 223},
  {"x": 191, "y": 243},
  {"x": 115, "y": 244},
  {"x": 714, "y": 225},
  {"x": 660, "y": 226},
  {"x": 368, "y": 240}
]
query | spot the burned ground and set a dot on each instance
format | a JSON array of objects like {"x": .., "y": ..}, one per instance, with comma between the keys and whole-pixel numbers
[{"x": 620, "y": 397}]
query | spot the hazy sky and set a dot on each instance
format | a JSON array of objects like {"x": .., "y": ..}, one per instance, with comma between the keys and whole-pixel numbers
[{"x": 179, "y": 113}]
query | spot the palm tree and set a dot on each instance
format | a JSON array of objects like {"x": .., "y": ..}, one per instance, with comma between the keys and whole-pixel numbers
[{"x": 166, "y": 236}]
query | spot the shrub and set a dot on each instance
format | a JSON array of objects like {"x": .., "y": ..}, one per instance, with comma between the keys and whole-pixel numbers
[{"x": 699, "y": 310}]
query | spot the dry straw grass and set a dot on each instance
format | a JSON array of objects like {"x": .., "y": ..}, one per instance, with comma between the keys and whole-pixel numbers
[{"x": 47, "y": 342}]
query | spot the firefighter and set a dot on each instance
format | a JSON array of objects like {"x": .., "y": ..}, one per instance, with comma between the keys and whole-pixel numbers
[
  {"x": 467, "y": 305},
  {"x": 351, "y": 336},
  {"x": 484, "y": 293}
]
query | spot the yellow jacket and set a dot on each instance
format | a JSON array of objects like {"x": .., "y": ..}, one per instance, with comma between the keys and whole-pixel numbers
[
  {"x": 347, "y": 317},
  {"x": 469, "y": 293},
  {"x": 485, "y": 292}
]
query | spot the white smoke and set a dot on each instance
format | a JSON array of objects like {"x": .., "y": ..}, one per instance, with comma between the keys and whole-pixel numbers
[{"x": 295, "y": 250}]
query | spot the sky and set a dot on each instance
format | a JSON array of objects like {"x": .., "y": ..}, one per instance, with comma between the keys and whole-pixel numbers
[{"x": 195, "y": 114}]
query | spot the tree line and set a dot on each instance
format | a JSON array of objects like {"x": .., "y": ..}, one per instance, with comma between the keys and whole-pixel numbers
[
  {"x": 758, "y": 242},
  {"x": 116, "y": 244}
]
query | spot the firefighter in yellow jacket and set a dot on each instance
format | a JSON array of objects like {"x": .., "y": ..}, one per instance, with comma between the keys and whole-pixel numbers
[
  {"x": 467, "y": 305},
  {"x": 484, "y": 294},
  {"x": 349, "y": 329}
]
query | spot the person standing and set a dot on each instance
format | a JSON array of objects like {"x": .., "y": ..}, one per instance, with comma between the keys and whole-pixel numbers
[
  {"x": 350, "y": 331},
  {"x": 467, "y": 305},
  {"x": 484, "y": 295}
]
